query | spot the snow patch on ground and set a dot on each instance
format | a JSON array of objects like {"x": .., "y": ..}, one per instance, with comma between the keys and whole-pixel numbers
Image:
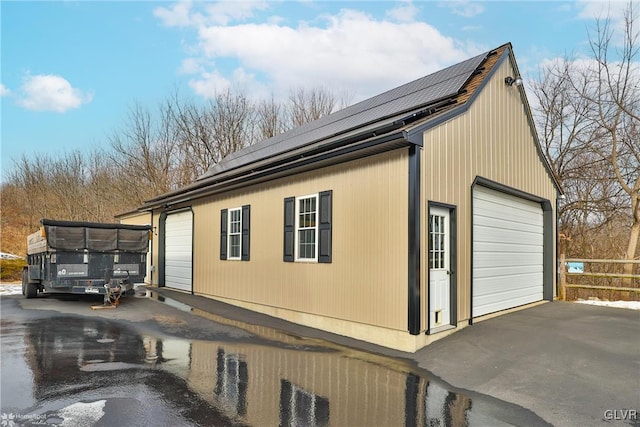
[
  {"x": 82, "y": 414},
  {"x": 10, "y": 289},
  {"x": 633, "y": 305}
]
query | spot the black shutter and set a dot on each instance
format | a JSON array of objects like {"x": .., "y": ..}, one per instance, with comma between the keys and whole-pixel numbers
[
  {"x": 289, "y": 228},
  {"x": 223, "y": 234},
  {"x": 246, "y": 223},
  {"x": 324, "y": 227},
  {"x": 286, "y": 391}
]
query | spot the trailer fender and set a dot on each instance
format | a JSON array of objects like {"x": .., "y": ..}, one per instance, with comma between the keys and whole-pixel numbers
[{"x": 35, "y": 273}]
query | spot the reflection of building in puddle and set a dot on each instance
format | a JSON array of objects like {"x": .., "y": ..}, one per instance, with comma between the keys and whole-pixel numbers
[
  {"x": 280, "y": 386},
  {"x": 430, "y": 404},
  {"x": 298, "y": 407},
  {"x": 286, "y": 384},
  {"x": 232, "y": 378}
]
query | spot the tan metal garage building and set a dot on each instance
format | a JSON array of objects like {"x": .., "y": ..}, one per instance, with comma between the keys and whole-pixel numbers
[{"x": 397, "y": 220}]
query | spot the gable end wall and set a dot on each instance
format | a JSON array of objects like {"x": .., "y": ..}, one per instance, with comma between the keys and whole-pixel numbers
[{"x": 493, "y": 140}]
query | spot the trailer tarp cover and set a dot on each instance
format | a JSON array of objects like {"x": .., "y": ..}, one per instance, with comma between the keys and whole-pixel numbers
[{"x": 96, "y": 237}]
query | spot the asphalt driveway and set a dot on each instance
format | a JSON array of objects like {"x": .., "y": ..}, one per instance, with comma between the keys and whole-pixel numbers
[
  {"x": 571, "y": 364},
  {"x": 566, "y": 364}
]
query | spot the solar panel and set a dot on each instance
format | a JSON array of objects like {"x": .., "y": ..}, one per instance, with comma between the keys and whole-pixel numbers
[{"x": 421, "y": 92}]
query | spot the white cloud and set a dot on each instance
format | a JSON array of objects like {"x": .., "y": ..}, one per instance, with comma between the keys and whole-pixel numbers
[
  {"x": 178, "y": 15},
  {"x": 589, "y": 9},
  {"x": 472, "y": 28},
  {"x": 346, "y": 51},
  {"x": 191, "y": 66},
  {"x": 210, "y": 83},
  {"x": 4, "y": 91},
  {"x": 613, "y": 11},
  {"x": 406, "y": 12},
  {"x": 181, "y": 14},
  {"x": 464, "y": 8},
  {"x": 224, "y": 12},
  {"x": 50, "y": 93}
]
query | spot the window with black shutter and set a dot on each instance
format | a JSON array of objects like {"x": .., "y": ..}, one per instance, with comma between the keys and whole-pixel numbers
[
  {"x": 307, "y": 228},
  {"x": 235, "y": 233}
]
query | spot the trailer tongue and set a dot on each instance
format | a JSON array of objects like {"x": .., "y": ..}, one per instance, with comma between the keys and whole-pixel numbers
[{"x": 72, "y": 257}]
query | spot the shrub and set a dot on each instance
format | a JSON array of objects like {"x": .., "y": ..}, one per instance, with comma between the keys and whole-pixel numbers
[{"x": 11, "y": 269}]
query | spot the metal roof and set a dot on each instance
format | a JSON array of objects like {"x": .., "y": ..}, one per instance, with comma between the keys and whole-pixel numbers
[{"x": 406, "y": 98}]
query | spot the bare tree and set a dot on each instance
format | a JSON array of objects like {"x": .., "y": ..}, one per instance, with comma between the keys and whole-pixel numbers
[
  {"x": 270, "y": 119},
  {"x": 210, "y": 132},
  {"x": 74, "y": 186},
  {"x": 588, "y": 118},
  {"x": 614, "y": 94},
  {"x": 153, "y": 152},
  {"x": 144, "y": 151},
  {"x": 307, "y": 105}
]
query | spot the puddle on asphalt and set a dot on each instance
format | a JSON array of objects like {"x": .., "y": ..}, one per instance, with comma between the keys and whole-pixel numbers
[{"x": 243, "y": 382}]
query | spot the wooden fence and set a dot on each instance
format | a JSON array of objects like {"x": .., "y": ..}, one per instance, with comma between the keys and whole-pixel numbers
[{"x": 597, "y": 278}]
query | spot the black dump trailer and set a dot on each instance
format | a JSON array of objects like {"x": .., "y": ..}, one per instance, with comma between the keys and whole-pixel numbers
[{"x": 73, "y": 257}]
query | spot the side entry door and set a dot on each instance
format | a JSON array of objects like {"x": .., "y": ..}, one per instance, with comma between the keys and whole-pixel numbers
[{"x": 439, "y": 240}]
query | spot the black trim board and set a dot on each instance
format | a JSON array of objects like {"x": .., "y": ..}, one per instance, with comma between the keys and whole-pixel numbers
[
  {"x": 548, "y": 235},
  {"x": 453, "y": 262},
  {"x": 414, "y": 241},
  {"x": 155, "y": 236}
]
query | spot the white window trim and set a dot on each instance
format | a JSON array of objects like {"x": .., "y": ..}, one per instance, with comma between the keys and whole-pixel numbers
[
  {"x": 231, "y": 380},
  {"x": 229, "y": 234},
  {"x": 315, "y": 228}
]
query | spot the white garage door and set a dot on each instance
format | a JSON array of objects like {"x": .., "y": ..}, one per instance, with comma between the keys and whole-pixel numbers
[
  {"x": 507, "y": 251},
  {"x": 178, "y": 250}
]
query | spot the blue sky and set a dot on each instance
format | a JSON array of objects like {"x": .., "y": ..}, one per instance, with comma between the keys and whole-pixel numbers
[{"x": 71, "y": 70}]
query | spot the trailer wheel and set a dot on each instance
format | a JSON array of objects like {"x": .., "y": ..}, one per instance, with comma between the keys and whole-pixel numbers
[{"x": 29, "y": 290}]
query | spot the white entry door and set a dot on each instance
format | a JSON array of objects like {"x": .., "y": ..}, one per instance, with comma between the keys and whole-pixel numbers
[{"x": 439, "y": 267}]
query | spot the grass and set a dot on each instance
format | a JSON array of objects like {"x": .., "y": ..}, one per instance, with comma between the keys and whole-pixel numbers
[{"x": 11, "y": 269}]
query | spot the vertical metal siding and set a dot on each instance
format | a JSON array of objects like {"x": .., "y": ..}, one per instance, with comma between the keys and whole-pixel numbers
[
  {"x": 367, "y": 279},
  {"x": 138, "y": 218},
  {"x": 493, "y": 140}
]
